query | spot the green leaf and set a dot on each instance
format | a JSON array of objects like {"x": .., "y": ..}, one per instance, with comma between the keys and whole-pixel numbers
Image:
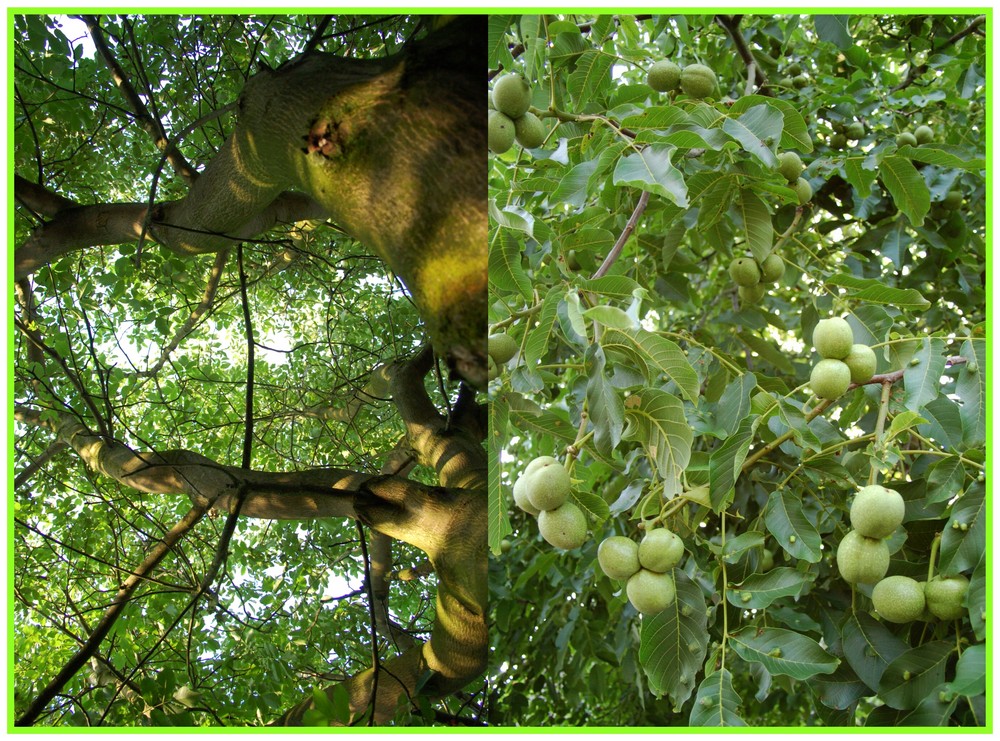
[
  {"x": 875, "y": 292},
  {"x": 841, "y": 689},
  {"x": 736, "y": 547},
  {"x": 725, "y": 463},
  {"x": 604, "y": 403},
  {"x": 759, "y": 590},
  {"x": 922, "y": 377},
  {"x": 650, "y": 352},
  {"x": 869, "y": 647},
  {"x": 971, "y": 389},
  {"x": 656, "y": 421},
  {"x": 673, "y": 643},
  {"x": 609, "y": 316},
  {"x": 506, "y": 273},
  {"x": 716, "y": 703},
  {"x": 945, "y": 479},
  {"x": 499, "y": 525},
  {"x": 907, "y": 187},
  {"x": 530, "y": 419},
  {"x": 861, "y": 173},
  {"x": 942, "y": 157},
  {"x": 574, "y": 188},
  {"x": 612, "y": 286},
  {"x": 758, "y": 131},
  {"x": 498, "y": 50},
  {"x": 901, "y": 424},
  {"x": 794, "y": 132},
  {"x": 734, "y": 404},
  {"x": 651, "y": 170},
  {"x": 592, "y": 505},
  {"x": 537, "y": 344},
  {"x": 912, "y": 675},
  {"x": 783, "y": 651},
  {"x": 791, "y": 528},
  {"x": 970, "y": 672},
  {"x": 590, "y": 78},
  {"x": 962, "y": 550},
  {"x": 755, "y": 220},
  {"x": 833, "y": 29}
]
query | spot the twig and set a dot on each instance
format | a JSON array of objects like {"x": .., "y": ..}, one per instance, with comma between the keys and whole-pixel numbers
[{"x": 626, "y": 233}]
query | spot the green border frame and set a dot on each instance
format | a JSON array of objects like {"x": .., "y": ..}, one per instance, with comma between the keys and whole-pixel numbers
[{"x": 445, "y": 9}]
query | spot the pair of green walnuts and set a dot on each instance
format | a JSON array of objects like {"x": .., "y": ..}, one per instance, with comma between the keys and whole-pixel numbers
[
  {"x": 645, "y": 567},
  {"x": 542, "y": 490},
  {"x": 695, "y": 80},
  {"x": 923, "y": 134},
  {"x": 844, "y": 361},
  {"x": 509, "y": 118}
]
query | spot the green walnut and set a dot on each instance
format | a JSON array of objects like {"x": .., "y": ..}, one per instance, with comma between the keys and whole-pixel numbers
[
  {"x": 512, "y": 95},
  {"x": 521, "y": 499},
  {"x": 752, "y": 294},
  {"x": 899, "y": 599},
  {"x": 906, "y": 139},
  {"x": 833, "y": 338},
  {"x": 618, "y": 557},
  {"x": 876, "y": 512},
  {"x": 945, "y": 596},
  {"x": 564, "y": 527},
  {"x": 491, "y": 368},
  {"x": 862, "y": 560},
  {"x": 650, "y": 592},
  {"x": 500, "y": 132},
  {"x": 548, "y": 486},
  {"x": 663, "y": 76},
  {"x": 520, "y": 486},
  {"x": 794, "y": 69},
  {"x": 529, "y": 131},
  {"x": 772, "y": 268},
  {"x": 799, "y": 81},
  {"x": 855, "y": 130},
  {"x": 861, "y": 360},
  {"x": 698, "y": 81},
  {"x": 744, "y": 271},
  {"x": 952, "y": 201},
  {"x": 804, "y": 191},
  {"x": 790, "y": 166},
  {"x": 501, "y": 347},
  {"x": 505, "y": 546},
  {"x": 923, "y": 134},
  {"x": 660, "y": 550},
  {"x": 830, "y": 379}
]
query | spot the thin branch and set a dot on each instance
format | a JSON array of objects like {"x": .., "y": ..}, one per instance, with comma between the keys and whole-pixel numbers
[
  {"x": 731, "y": 25},
  {"x": 623, "y": 238}
]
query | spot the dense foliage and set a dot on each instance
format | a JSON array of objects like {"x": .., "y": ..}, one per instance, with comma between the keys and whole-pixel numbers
[
  {"x": 674, "y": 397},
  {"x": 152, "y": 350}
]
